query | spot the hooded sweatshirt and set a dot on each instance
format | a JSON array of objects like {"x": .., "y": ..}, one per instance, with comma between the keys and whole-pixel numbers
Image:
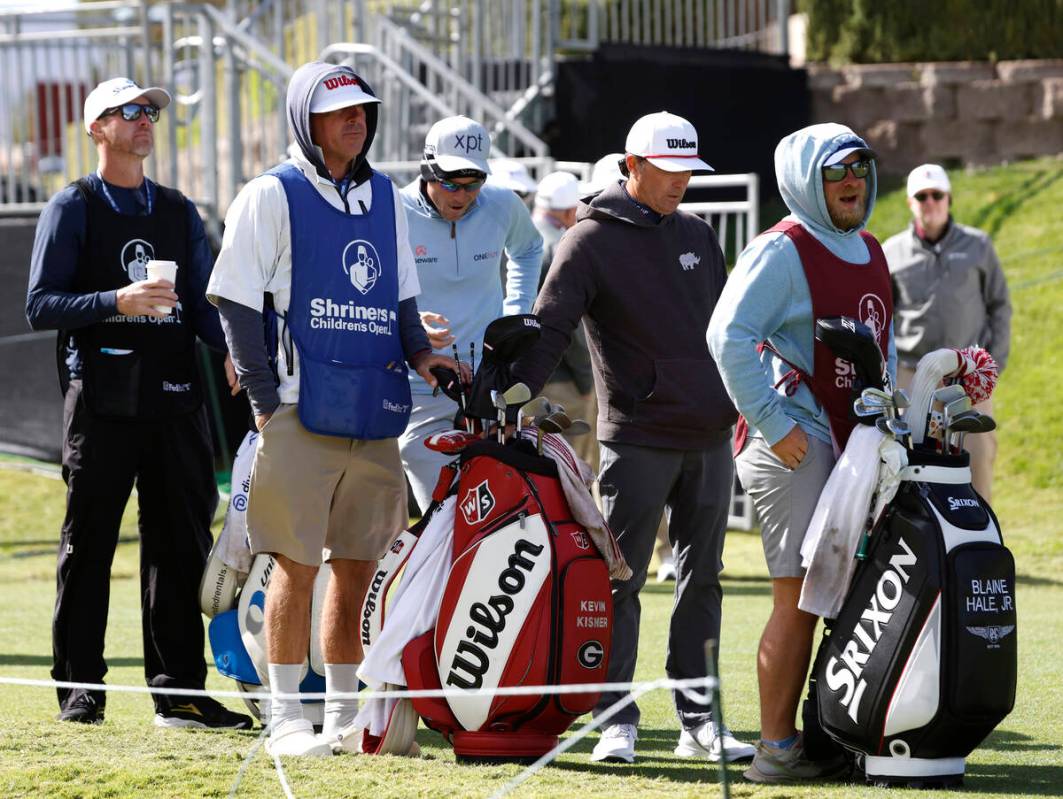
[
  {"x": 255, "y": 257},
  {"x": 767, "y": 296},
  {"x": 647, "y": 285}
]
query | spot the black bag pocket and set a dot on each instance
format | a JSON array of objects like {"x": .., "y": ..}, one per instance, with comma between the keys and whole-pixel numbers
[
  {"x": 980, "y": 599},
  {"x": 111, "y": 381}
]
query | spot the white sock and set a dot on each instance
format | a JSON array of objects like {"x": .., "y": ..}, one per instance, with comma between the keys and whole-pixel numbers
[
  {"x": 284, "y": 678},
  {"x": 339, "y": 713}
]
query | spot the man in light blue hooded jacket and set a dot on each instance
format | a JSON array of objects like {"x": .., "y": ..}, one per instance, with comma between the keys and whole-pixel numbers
[
  {"x": 459, "y": 229},
  {"x": 816, "y": 263}
]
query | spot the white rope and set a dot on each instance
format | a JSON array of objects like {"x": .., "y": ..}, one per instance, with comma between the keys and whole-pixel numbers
[
  {"x": 247, "y": 761},
  {"x": 707, "y": 683}
]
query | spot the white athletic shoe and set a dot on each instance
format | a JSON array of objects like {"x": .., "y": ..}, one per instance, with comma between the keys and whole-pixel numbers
[
  {"x": 296, "y": 738},
  {"x": 666, "y": 571},
  {"x": 706, "y": 741},
  {"x": 617, "y": 744}
]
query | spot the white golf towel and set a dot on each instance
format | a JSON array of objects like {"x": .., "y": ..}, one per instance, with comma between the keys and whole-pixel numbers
[
  {"x": 842, "y": 515},
  {"x": 412, "y": 611}
]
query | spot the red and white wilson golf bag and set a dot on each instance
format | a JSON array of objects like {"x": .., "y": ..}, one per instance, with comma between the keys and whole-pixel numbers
[
  {"x": 920, "y": 665},
  {"x": 526, "y": 603}
]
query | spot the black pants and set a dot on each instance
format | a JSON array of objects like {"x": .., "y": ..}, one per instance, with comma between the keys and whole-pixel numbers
[
  {"x": 637, "y": 483},
  {"x": 172, "y": 464}
]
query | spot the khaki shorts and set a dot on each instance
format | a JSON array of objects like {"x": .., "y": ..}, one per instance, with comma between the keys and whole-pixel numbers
[
  {"x": 317, "y": 498},
  {"x": 784, "y": 499}
]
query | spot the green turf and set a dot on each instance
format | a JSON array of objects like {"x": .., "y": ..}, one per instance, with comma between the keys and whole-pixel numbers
[{"x": 127, "y": 757}]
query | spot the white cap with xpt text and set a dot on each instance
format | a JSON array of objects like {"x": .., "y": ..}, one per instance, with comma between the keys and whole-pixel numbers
[
  {"x": 667, "y": 141},
  {"x": 457, "y": 144}
]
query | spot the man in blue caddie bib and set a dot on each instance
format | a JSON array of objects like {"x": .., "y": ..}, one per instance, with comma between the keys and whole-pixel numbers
[{"x": 320, "y": 245}]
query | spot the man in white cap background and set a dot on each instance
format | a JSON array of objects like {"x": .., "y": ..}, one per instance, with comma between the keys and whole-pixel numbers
[
  {"x": 133, "y": 407},
  {"x": 646, "y": 277},
  {"x": 459, "y": 231},
  {"x": 818, "y": 262},
  {"x": 572, "y": 383},
  {"x": 948, "y": 291},
  {"x": 321, "y": 241}
]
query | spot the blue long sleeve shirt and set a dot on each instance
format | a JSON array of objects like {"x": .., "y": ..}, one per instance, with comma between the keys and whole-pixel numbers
[
  {"x": 458, "y": 263},
  {"x": 51, "y": 304}
]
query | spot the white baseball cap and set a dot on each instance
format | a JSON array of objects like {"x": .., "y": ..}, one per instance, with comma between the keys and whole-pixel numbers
[
  {"x": 510, "y": 174},
  {"x": 668, "y": 141},
  {"x": 119, "y": 91},
  {"x": 458, "y": 143},
  {"x": 928, "y": 176},
  {"x": 339, "y": 89},
  {"x": 606, "y": 170},
  {"x": 558, "y": 191}
]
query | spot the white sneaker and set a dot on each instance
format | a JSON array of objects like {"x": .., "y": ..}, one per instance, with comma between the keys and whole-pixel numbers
[
  {"x": 617, "y": 744},
  {"x": 666, "y": 571},
  {"x": 707, "y": 740},
  {"x": 296, "y": 738}
]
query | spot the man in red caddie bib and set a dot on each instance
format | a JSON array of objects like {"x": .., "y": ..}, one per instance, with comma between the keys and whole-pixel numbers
[{"x": 818, "y": 262}]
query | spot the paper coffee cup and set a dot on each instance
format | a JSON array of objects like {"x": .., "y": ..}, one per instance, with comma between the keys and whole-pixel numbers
[{"x": 166, "y": 270}]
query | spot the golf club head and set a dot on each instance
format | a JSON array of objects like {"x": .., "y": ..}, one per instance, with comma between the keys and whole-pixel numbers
[
  {"x": 498, "y": 400},
  {"x": 949, "y": 394},
  {"x": 517, "y": 394},
  {"x": 958, "y": 406},
  {"x": 536, "y": 408},
  {"x": 901, "y": 400},
  {"x": 579, "y": 427},
  {"x": 863, "y": 410},
  {"x": 876, "y": 397},
  {"x": 561, "y": 419},
  {"x": 898, "y": 428},
  {"x": 882, "y": 423},
  {"x": 550, "y": 425}
]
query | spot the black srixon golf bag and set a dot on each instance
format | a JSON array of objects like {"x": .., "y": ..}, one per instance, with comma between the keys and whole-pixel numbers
[{"x": 920, "y": 665}]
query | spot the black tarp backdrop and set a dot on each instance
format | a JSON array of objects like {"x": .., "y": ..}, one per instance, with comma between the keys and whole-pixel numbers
[
  {"x": 741, "y": 103},
  {"x": 31, "y": 407}
]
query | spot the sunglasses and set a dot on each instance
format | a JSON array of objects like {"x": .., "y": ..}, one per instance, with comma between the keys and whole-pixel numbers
[
  {"x": 923, "y": 196},
  {"x": 131, "y": 112},
  {"x": 836, "y": 172},
  {"x": 451, "y": 186}
]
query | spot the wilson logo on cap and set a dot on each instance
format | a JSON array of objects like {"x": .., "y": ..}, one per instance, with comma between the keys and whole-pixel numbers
[
  {"x": 340, "y": 80},
  {"x": 684, "y": 144}
]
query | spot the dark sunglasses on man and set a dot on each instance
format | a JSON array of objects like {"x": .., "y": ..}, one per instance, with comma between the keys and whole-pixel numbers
[
  {"x": 936, "y": 196},
  {"x": 131, "y": 112},
  {"x": 836, "y": 172}
]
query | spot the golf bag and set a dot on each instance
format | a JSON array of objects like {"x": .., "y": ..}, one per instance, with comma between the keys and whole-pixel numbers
[
  {"x": 921, "y": 663},
  {"x": 527, "y": 602},
  {"x": 233, "y": 596}
]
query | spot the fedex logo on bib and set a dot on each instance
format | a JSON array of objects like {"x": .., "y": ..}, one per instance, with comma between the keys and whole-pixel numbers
[{"x": 361, "y": 264}]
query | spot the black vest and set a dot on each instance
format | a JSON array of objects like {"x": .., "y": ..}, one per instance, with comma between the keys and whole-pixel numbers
[{"x": 136, "y": 366}]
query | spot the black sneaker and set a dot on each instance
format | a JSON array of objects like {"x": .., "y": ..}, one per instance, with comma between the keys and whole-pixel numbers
[
  {"x": 82, "y": 709},
  {"x": 198, "y": 711}
]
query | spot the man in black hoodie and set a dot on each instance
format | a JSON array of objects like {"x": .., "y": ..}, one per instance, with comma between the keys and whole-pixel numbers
[
  {"x": 646, "y": 278},
  {"x": 324, "y": 235}
]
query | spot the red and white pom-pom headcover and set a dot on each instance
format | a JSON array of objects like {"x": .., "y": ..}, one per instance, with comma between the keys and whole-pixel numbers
[{"x": 978, "y": 373}]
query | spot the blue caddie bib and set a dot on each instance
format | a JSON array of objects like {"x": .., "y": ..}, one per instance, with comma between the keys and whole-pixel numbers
[{"x": 343, "y": 313}]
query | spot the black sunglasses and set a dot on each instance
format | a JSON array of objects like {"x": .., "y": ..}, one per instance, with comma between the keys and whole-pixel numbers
[
  {"x": 836, "y": 172},
  {"x": 131, "y": 112},
  {"x": 922, "y": 196}
]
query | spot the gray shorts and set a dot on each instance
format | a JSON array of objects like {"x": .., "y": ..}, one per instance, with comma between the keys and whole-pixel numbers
[{"x": 784, "y": 499}]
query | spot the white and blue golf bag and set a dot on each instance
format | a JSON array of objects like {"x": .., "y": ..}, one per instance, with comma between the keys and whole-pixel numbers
[{"x": 233, "y": 597}]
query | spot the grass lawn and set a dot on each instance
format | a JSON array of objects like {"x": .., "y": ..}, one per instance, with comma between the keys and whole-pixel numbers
[{"x": 128, "y": 757}]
